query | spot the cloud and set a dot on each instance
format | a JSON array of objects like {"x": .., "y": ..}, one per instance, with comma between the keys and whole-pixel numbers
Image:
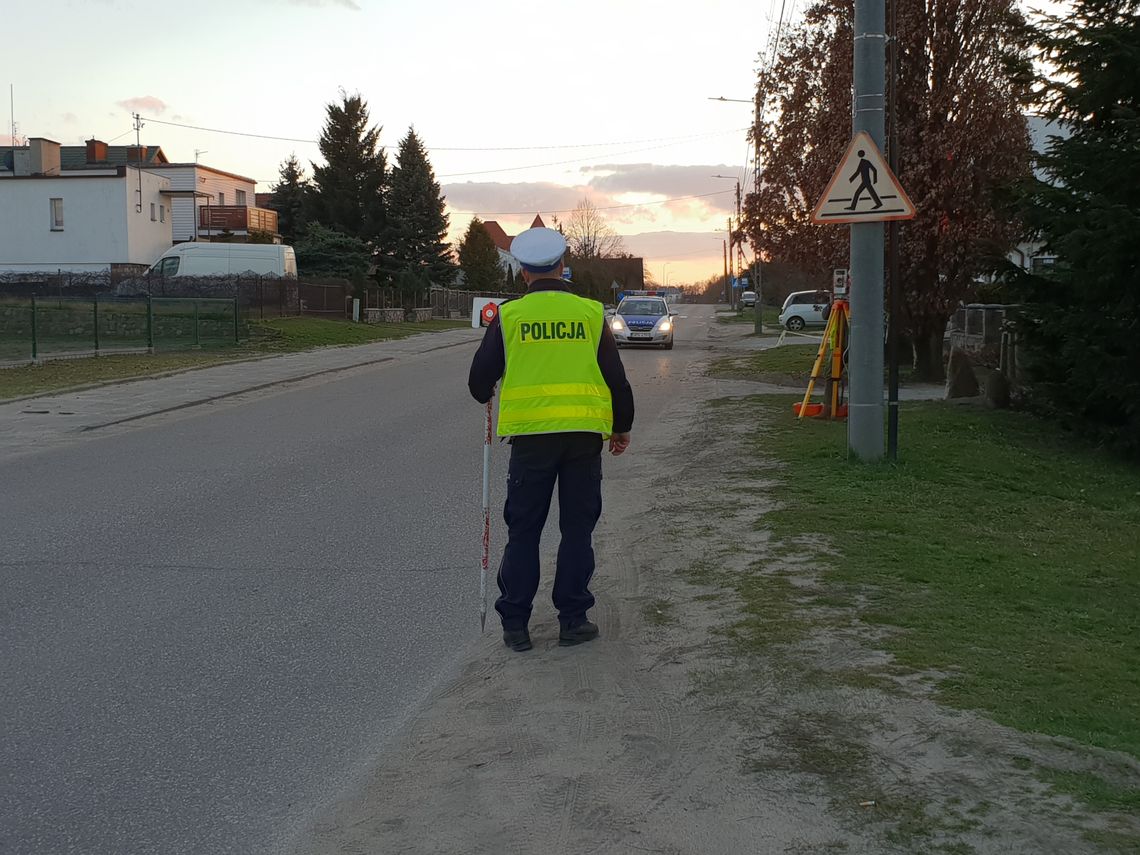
[
  {"x": 666, "y": 181},
  {"x": 675, "y": 245},
  {"x": 492, "y": 197},
  {"x": 143, "y": 104},
  {"x": 346, "y": 4},
  {"x": 70, "y": 118}
]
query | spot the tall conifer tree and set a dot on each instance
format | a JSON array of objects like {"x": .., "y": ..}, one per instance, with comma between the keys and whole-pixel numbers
[
  {"x": 479, "y": 259},
  {"x": 290, "y": 200},
  {"x": 416, "y": 237},
  {"x": 349, "y": 188}
]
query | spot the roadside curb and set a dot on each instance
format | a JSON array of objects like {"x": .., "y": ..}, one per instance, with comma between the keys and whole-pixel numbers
[
  {"x": 284, "y": 381},
  {"x": 235, "y": 393},
  {"x": 120, "y": 381}
]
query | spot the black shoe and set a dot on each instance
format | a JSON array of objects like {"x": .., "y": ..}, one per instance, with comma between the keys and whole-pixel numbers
[
  {"x": 568, "y": 636},
  {"x": 517, "y": 639}
]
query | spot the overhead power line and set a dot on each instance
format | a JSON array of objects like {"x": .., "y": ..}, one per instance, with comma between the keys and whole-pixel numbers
[
  {"x": 231, "y": 133},
  {"x": 677, "y": 139},
  {"x": 607, "y": 208}
]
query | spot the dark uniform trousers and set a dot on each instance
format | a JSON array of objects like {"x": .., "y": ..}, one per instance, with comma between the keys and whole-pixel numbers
[{"x": 574, "y": 462}]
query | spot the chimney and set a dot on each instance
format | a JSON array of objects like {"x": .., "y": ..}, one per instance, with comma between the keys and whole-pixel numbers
[
  {"x": 96, "y": 151},
  {"x": 44, "y": 156},
  {"x": 136, "y": 154}
]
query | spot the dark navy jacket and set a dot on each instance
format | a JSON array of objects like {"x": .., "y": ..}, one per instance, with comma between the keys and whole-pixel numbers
[{"x": 490, "y": 362}]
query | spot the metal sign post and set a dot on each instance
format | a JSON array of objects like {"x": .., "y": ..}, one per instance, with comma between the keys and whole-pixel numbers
[
  {"x": 865, "y": 193},
  {"x": 865, "y": 420}
]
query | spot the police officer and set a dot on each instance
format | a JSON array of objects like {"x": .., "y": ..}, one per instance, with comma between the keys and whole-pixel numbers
[{"x": 564, "y": 393}]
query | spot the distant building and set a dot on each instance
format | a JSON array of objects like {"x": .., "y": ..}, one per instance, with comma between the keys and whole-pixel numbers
[
  {"x": 1030, "y": 255},
  {"x": 205, "y": 201},
  {"x": 85, "y": 218},
  {"x": 502, "y": 242},
  {"x": 627, "y": 273}
]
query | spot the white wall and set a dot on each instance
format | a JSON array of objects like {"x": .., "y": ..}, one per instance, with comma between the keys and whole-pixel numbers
[
  {"x": 100, "y": 224},
  {"x": 147, "y": 239}
]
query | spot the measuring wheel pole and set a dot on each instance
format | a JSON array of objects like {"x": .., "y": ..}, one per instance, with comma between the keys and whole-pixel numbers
[
  {"x": 149, "y": 324},
  {"x": 486, "y": 563},
  {"x": 35, "y": 342}
]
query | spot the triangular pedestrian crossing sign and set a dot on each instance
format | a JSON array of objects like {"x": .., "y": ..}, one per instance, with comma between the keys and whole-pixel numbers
[{"x": 863, "y": 189}]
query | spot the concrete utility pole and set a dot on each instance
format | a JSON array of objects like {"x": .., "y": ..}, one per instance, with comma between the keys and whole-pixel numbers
[
  {"x": 727, "y": 285},
  {"x": 865, "y": 420}
]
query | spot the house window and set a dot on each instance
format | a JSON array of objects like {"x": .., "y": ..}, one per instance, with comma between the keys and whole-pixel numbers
[
  {"x": 1042, "y": 263},
  {"x": 57, "y": 215},
  {"x": 153, "y": 213},
  {"x": 221, "y": 198},
  {"x": 162, "y": 213},
  {"x": 239, "y": 198}
]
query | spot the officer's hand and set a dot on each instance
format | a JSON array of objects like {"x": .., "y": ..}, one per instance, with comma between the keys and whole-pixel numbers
[{"x": 619, "y": 442}]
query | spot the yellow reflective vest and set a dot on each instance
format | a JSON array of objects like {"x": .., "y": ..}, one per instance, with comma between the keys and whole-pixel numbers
[{"x": 552, "y": 383}]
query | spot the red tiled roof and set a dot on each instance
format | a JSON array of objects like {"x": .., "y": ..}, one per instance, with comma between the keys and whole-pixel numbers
[
  {"x": 501, "y": 238},
  {"x": 538, "y": 223}
]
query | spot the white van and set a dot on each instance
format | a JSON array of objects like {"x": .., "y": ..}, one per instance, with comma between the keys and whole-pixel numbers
[{"x": 224, "y": 259}]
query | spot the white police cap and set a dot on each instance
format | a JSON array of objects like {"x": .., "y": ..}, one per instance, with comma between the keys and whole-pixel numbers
[{"x": 539, "y": 250}]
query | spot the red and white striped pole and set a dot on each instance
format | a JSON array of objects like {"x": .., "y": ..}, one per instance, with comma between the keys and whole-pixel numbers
[{"x": 486, "y": 523}]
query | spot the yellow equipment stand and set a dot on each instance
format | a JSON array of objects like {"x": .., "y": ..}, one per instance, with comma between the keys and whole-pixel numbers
[{"x": 835, "y": 338}]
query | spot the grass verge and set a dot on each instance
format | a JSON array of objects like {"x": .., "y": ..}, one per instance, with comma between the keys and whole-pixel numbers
[
  {"x": 1004, "y": 554},
  {"x": 279, "y": 335},
  {"x": 786, "y": 365},
  {"x": 748, "y": 316}
]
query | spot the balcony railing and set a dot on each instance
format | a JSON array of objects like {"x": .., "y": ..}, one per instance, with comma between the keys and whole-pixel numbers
[{"x": 236, "y": 218}]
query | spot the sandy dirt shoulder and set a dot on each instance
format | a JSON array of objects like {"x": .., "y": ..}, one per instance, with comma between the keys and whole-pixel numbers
[{"x": 668, "y": 736}]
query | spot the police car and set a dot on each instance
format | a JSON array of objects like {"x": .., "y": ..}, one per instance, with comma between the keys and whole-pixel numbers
[{"x": 643, "y": 320}]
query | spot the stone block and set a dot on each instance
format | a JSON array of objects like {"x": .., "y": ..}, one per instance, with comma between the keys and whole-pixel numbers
[{"x": 961, "y": 381}]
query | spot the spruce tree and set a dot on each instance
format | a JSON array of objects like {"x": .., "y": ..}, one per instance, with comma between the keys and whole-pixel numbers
[
  {"x": 479, "y": 259},
  {"x": 416, "y": 237},
  {"x": 349, "y": 188},
  {"x": 290, "y": 200},
  {"x": 1079, "y": 328},
  {"x": 327, "y": 252}
]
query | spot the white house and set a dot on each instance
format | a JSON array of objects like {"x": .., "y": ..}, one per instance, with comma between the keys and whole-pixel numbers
[
  {"x": 92, "y": 219},
  {"x": 207, "y": 201}
]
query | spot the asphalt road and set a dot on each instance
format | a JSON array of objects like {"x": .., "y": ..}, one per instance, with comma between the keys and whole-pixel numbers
[{"x": 211, "y": 623}]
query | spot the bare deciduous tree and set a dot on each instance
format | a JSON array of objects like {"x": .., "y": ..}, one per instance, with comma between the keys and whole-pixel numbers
[{"x": 588, "y": 235}]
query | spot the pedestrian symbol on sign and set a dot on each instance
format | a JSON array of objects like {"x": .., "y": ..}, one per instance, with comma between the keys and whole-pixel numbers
[
  {"x": 863, "y": 189},
  {"x": 868, "y": 175}
]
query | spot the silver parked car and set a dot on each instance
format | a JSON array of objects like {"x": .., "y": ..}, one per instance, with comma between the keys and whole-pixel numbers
[{"x": 805, "y": 309}]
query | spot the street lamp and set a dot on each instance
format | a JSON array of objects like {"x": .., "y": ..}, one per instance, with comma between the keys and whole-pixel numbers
[
  {"x": 664, "y": 275},
  {"x": 730, "y": 292},
  {"x": 759, "y": 311}
]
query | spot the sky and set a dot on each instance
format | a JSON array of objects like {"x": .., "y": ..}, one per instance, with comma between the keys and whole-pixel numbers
[{"x": 606, "y": 100}]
